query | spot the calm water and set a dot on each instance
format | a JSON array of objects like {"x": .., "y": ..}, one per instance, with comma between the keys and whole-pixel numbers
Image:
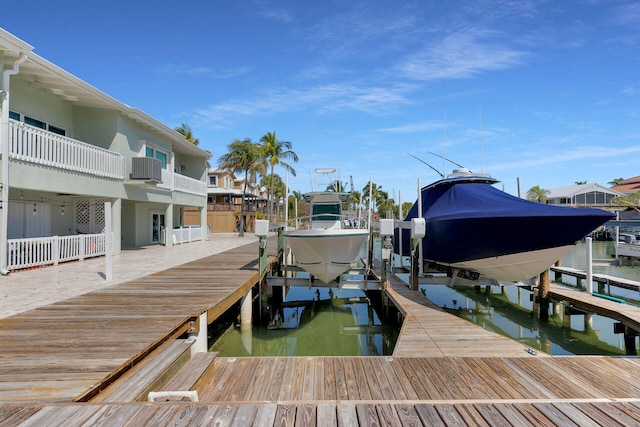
[
  {"x": 510, "y": 314},
  {"x": 318, "y": 322},
  {"x": 328, "y": 322}
]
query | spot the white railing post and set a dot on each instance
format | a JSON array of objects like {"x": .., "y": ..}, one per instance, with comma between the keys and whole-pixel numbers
[
  {"x": 81, "y": 247},
  {"x": 589, "y": 284},
  {"x": 108, "y": 243},
  {"x": 55, "y": 247}
]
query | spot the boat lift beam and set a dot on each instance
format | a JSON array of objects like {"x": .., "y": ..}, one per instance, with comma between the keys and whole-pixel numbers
[{"x": 367, "y": 285}]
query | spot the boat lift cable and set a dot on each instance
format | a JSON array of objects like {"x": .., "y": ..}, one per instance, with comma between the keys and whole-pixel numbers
[{"x": 436, "y": 170}]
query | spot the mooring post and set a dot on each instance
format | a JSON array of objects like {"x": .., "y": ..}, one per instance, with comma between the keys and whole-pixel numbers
[
  {"x": 386, "y": 232},
  {"x": 630, "y": 343},
  {"x": 201, "y": 338},
  {"x": 588, "y": 321},
  {"x": 246, "y": 313},
  {"x": 543, "y": 294},
  {"x": 262, "y": 232},
  {"x": 589, "y": 284},
  {"x": 418, "y": 231}
]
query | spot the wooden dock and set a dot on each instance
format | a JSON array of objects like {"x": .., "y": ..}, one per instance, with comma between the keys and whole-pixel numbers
[
  {"x": 102, "y": 347},
  {"x": 601, "y": 279},
  {"x": 67, "y": 350}
]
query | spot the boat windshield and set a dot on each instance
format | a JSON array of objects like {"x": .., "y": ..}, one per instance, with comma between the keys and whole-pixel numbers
[{"x": 326, "y": 212}]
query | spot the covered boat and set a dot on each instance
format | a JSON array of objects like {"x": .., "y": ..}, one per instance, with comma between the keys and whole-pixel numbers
[{"x": 472, "y": 225}]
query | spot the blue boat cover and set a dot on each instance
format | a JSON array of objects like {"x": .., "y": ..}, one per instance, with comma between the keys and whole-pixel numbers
[{"x": 471, "y": 219}]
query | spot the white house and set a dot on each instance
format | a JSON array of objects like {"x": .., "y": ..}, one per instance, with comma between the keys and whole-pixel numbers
[
  {"x": 581, "y": 195},
  {"x": 67, "y": 148}
]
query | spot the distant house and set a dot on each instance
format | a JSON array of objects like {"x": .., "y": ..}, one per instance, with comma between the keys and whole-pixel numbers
[
  {"x": 224, "y": 200},
  {"x": 582, "y": 195},
  {"x": 628, "y": 186},
  {"x": 67, "y": 148}
]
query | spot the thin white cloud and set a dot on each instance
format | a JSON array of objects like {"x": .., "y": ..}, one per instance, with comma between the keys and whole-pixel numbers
[
  {"x": 190, "y": 70},
  {"x": 568, "y": 156},
  {"x": 460, "y": 55},
  {"x": 182, "y": 69},
  {"x": 414, "y": 127},
  {"x": 320, "y": 99}
]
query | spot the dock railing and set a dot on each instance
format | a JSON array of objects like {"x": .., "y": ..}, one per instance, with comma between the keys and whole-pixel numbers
[{"x": 51, "y": 250}]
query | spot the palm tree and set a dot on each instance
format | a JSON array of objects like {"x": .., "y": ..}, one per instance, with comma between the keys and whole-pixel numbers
[
  {"x": 355, "y": 198},
  {"x": 275, "y": 182},
  {"x": 336, "y": 186},
  {"x": 537, "y": 194},
  {"x": 243, "y": 156},
  {"x": 186, "y": 131},
  {"x": 375, "y": 196},
  {"x": 274, "y": 153},
  {"x": 615, "y": 182}
]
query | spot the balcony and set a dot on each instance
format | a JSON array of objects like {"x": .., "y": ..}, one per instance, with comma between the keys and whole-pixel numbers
[
  {"x": 35, "y": 145},
  {"x": 176, "y": 182}
]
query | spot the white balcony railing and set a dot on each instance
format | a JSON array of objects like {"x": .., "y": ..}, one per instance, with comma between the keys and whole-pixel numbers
[
  {"x": 41, "y": 251},
  {"x": 39, "y": 146},
  {"x": 182, "y": 183},
  {"x": 189, "y": 185}
]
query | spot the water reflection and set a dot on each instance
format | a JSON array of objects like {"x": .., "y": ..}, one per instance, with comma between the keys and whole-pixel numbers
[
  {"x": 315, "y": 322},
  {"x": 507, "y": 310}
]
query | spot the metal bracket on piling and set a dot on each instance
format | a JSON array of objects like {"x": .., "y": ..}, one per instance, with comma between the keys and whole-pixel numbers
[{"x": 386, "y": 232}]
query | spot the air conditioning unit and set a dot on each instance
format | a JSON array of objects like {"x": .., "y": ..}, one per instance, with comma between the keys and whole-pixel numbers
[{"x": 146, "y": 169}]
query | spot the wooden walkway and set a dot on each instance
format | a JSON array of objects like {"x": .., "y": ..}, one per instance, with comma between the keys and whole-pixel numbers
[
  {"x": 62, "y": 351},
  {"x": 429, "y": 331},
  {"x": 625, "y": 313},
  {"x": 444, "y": 371},
  {"x": 601, "y": 279}
]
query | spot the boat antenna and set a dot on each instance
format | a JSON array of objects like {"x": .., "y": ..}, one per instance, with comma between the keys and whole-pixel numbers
[
  {"x": 436, "y": 170},
  {"x": 444, "y": 144},
  {"x": 481, "y": 162},
  {"x": 448, "y": 160}
]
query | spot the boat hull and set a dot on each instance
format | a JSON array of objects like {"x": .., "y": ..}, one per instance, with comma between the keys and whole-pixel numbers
[
  {"x": 326, "y": 254},
  {"x": 514, "y": 267}
]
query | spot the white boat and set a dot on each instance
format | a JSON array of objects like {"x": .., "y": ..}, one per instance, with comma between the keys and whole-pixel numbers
[{"x": 325, "y": 248}]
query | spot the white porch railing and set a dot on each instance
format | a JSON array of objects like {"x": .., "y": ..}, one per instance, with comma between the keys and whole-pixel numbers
[
  {"x": 35, "y": 145},
  {"x": 40, "y": 251},
  {"x": 186, "y": 235}
]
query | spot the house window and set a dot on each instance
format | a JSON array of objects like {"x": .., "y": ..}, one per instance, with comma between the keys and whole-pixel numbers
[
  {"x": 157, "y": 154},
  {"x": 37, "y": 123},
  {"x": 56, "y": 129},
  {"x": 213, "y": 181}
]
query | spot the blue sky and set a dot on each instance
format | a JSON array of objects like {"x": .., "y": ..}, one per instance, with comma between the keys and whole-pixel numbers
[{"x": 547, "y": 91}]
